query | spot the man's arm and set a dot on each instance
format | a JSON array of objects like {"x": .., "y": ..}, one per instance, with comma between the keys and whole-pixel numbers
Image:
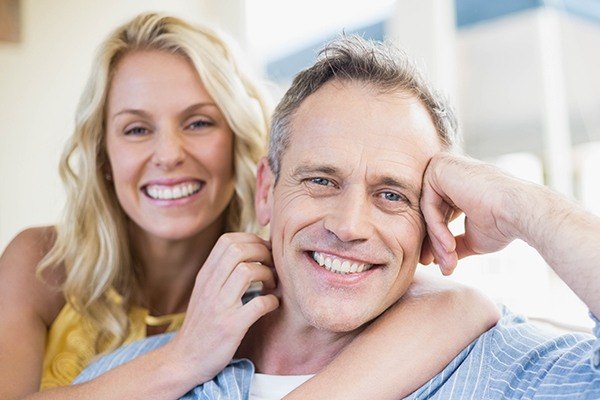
[{"x": 500, "y": 208}]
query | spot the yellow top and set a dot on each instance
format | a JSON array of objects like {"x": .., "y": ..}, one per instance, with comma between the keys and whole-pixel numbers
[{"x": 70, "y": 345}]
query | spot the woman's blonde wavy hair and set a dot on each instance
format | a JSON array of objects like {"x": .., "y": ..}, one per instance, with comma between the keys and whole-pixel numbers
[{"x": 92, "y": 238}]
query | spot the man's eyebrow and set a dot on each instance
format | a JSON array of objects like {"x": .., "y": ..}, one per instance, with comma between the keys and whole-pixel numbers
[
  {"x": 306, "y": 169},
  {"x": 402, "y": 184}
]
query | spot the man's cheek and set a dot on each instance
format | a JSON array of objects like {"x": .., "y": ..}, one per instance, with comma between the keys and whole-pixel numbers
[
  {"x": 416, "y": 223},
  {"x": 407, "y": 241}
]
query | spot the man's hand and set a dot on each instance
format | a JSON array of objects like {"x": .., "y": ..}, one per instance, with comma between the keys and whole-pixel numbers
[
  {"x": 455, "y": 184},
  {"x": 499, "y": 208}
]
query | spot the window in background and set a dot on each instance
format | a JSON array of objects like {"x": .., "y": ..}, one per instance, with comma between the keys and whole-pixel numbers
[{"x": 289, "y": 42}]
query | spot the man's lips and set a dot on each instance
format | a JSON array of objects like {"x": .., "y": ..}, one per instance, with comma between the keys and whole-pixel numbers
[
  {"x": 172, "y": 190},
  {"x": 339, "y": 265}
]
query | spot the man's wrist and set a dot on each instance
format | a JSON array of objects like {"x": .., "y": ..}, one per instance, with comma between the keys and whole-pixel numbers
[
  {"x": 534, "y": 212},
  {"x": 522, "y": 210}
]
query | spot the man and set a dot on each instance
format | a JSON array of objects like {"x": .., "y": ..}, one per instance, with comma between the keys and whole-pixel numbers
[{"x": 359, "y": 175}]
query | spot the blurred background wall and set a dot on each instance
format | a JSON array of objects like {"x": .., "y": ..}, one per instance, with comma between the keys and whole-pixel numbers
[{"x": 523, "y": 75}]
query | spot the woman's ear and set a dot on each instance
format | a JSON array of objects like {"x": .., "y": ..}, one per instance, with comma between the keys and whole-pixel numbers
[
  {"x": 107, "y": 171},
  {"x": 264, "y": 192}
]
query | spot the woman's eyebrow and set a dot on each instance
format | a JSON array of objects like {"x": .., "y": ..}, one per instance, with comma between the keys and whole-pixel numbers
[
  {"x": 134, "y": 111},
  {"x": 198, "y": 106},
  {"x": 144, "y": 114}
]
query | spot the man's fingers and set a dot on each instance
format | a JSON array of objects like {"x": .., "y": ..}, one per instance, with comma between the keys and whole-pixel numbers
[
  {"x": 440, "y": 243},
  {"x": 426, "y": 252},
  {"x": 449, "y": 263},
  {"x": 463, "y": 249},
  {"x": 442, "y": 235},
  {"x": 454, "y": 214},
  {"x": 437, "y": 213},
  {"x": 446, "y": 260}
]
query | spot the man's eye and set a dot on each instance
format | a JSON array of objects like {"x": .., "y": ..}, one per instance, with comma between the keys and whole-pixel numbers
[
  {"x": 320, "y": 181},
  {"x": 136, "y": 131},
  {"x": 391, "y": 196}
]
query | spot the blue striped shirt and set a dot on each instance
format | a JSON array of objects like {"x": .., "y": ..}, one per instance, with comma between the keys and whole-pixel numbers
[{"x": 513, "y": 360}]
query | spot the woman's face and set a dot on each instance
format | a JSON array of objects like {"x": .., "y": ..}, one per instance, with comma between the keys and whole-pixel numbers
[{"x": 169, "y": 146}]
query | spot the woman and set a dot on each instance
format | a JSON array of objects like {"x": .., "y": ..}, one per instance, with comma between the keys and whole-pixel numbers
[{"x": 160, "y": 166}]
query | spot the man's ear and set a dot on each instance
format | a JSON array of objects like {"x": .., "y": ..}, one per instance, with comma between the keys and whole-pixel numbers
[{"x": 263, "y": 201}]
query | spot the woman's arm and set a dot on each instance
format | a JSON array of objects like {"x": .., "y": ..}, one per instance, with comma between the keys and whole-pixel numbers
[
  {"x": 407, "y": 346},
  {"x": 26, "y": 305},
  {"x": 215, "y": 318}
]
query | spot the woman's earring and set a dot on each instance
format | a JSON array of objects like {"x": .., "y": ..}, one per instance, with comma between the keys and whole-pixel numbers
[{"x": 108, "y": 176}]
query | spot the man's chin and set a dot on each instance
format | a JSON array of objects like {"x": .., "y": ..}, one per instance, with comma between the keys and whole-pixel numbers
[{"x": 336, "y": 320}]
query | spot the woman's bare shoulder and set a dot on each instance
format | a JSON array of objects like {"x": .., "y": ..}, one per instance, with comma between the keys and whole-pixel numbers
[
  {"x": 19, "y": 282},
  {"x": 34, "y": 240}
]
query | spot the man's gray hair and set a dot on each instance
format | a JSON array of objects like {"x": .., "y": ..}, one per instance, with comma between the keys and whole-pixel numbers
[{"x": 352, "y": 58}]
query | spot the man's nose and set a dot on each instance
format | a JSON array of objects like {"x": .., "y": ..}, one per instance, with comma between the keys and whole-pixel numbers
[
  {"x": 169, "y": 149},
  {"x": 349, "y": 218}
]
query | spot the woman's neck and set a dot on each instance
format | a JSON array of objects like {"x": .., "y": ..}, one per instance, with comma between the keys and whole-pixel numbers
[{"x": 169, "y": 267}]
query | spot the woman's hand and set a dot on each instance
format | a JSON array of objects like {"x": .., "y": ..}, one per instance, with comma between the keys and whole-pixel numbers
[{"x": 216, "y": 320}]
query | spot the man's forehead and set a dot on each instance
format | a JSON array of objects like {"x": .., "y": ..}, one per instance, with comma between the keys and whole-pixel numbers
[
  {"x": 355, "y": 111},
  {"x": 378, "y": 151}
]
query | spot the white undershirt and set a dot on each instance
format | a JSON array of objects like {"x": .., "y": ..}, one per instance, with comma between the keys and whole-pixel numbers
[{"x": 274, "y": 387}]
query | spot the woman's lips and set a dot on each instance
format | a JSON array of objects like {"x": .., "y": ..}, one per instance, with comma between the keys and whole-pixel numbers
[{"x": 174, "y": 191}]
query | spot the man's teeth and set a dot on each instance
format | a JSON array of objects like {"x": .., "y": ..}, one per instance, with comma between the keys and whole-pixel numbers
[
  {"x": 338, "y": 265},
  {"x": 180, "y": 191}
]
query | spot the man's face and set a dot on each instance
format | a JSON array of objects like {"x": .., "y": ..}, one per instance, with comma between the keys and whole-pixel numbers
[{"x": 346, "y": 227}]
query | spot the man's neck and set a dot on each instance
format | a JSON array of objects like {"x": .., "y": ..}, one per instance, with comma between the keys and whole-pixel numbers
[{"x": 279, "y": 345}]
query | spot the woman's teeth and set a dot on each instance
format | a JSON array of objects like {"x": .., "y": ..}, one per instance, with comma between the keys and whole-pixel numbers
[
  {"x": 159, "y": 192},
  {"x": 339, "y": 265}
]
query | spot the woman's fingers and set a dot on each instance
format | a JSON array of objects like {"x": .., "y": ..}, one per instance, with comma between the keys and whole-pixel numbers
[
  {"x": 256, "y": 308},
  {"x": 216, "y": 271},
  {"x": 229, "y": 243},
  {"x": 242, "y": 277}
]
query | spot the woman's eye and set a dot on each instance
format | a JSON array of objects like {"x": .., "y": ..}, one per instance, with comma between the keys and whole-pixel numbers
[
  {"x": 199, "y": 124},
  {"x": 136, "y": 131}
]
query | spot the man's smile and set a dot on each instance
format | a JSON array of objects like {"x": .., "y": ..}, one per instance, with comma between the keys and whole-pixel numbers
[{"x": 338, "y": 264}]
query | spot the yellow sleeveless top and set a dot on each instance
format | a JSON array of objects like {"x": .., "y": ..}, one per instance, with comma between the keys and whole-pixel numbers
[{"x": 70, "y": 345}]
